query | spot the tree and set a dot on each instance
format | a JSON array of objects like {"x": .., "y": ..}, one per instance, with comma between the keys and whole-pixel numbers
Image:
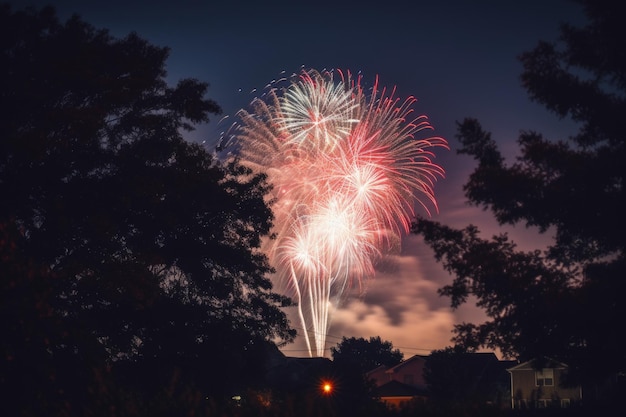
[
  {"x": 141, "y": 248},
  {"x": 566, "y": 302},
  {"x": 457, "y": 377},
  {"x": 366, "y": 354}
]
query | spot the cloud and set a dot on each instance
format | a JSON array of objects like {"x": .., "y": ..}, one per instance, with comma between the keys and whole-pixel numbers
[{"x": 400, "y": 304}]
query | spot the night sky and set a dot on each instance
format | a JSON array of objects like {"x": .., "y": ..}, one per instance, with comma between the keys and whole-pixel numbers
[{"x": 458, "y": 58}]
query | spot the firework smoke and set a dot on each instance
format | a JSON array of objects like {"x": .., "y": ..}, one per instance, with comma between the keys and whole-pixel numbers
[{"x": 347, "y": 171}]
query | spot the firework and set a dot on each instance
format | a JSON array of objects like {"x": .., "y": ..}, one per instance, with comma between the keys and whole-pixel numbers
[{"x": 347, "y": 170}]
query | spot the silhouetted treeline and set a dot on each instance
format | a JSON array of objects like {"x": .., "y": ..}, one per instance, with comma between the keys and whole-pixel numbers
[
  {"x": 131, "y": 278},
  {"x": 567, "y": 302}
]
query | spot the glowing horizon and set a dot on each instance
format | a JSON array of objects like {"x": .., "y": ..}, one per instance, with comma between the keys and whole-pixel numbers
[{"x": 347, "y": 170}]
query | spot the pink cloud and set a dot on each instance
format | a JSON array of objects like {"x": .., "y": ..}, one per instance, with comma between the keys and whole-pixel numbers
[{"x": 399, "y": 304}]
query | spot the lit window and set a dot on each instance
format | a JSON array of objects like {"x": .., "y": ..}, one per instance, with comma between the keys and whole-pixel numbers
[{"x": 544, "y": 377}]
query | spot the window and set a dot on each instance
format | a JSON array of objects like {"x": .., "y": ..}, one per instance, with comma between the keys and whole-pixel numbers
[{"x": 544, "y": 377}]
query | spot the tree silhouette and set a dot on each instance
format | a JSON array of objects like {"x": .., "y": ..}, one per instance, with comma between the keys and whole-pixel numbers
[
  {"x": 459, "y": 378},
  {"x": 566, "y": 302},
  {"x": 366, "y": 354},
  {"x": 128, "y": 255}
]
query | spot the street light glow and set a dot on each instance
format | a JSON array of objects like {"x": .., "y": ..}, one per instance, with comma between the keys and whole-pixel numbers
[{"x": 327, "y": 388}]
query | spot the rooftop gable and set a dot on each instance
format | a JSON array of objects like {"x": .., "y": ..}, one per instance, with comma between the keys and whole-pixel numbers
[
  {"x": 398, "y": 389},
  {"x": 533, "y": 365},
  {"x": 411, "y": 360}
]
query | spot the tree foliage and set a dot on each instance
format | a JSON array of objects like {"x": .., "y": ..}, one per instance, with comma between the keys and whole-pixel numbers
[
  {"x": 366, "y": 354},
  {"x": 566, "y": 302},
  {"x": 122, "y": 245},
  {"x": 457, "y": 377}
]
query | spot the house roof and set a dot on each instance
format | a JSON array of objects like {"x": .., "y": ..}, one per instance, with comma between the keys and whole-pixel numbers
[
  {"x": 377, "y": 369},
  {"x": 398, "y": 389},
  {"x": 404, "y": 363},
  {"x": 532, "y": 365},
  {"x": 474, "y": 360}
]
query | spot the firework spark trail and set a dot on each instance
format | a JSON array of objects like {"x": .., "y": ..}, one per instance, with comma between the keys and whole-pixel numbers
[{"x": 346, "y": 169}]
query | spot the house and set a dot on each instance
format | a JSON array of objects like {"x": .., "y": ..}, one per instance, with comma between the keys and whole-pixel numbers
[
  {"x": 402, "y": 383},
  {"x": 378, "y": 376},
  {"x": 478, "y": 377},
  {"x": 395, "y": 394},
  {"x": 410, "y": 372},
  {"x": 537, "y": 384}
]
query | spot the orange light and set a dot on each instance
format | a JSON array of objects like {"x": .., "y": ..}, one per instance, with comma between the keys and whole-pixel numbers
[{"x": 327, "y": 388}]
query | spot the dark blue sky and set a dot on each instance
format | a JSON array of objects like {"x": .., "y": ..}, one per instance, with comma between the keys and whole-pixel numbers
[{"x": 457, "y": 57}]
